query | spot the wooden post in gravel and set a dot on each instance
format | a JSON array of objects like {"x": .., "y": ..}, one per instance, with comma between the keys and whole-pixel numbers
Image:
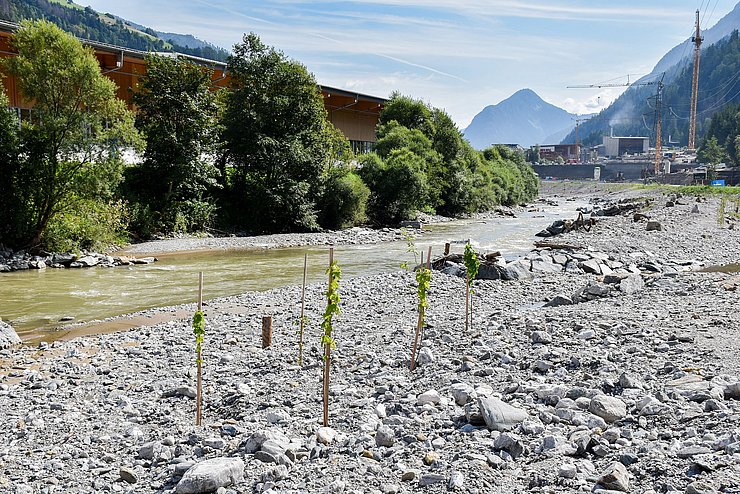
[
  {"x": 302, "y": 321},
  {"x": 327, "y": 355},
  {"x": 447, "y": 249},
  {"x": 266, "y": 331},
  {"x": 199, "y": 393},
  {"x": 420, "y": 319}
]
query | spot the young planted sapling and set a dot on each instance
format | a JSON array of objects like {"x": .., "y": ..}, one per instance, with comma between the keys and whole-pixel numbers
[
  {"x": 332, "y": 309},
  {"x": 470, "y": 258}
]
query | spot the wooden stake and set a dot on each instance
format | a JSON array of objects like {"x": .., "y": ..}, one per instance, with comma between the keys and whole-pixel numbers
[
  {"x": 303, "y": 308},
  {"x": 467, "y": 299},
  {"x": 447, "y": 249},
  {"x": 327, "y": 355},
  {"x": 266, "y": 331},
  {"x": 420, "y": 319},
  {"x": 199, "y": 393}
]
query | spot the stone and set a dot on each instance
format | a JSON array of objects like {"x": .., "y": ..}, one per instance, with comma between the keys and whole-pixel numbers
[
  {"x": 456, "y": 482},
  {"x": 326, "y": 435},
  {"x": 431, "y": 396},
  {"x": 615, "y": 477},
  {"x": 385, "y": 436},
  {"x": 462, "y": 393},
  {"x": 609, "y": 408},
  {"x": 430, "y": 457},
  {"x": 500, "y": 416},
  {"x": 209, "y": 475},
  {"x": 425, "y": 356},
  {"x": 700, "y": 487},
  {"x": 510, "y": 443},
  {"x": 85, "y": 262},
  {"x": 653, "y": 226},
  {"x": 8, "y": 336},
  {"x": 517, "y": 270},
  {"x": 214, "y": 442},
  {"x": 545, "y": 266},
  {"x": 559, "y": 300},
  {"x": 431, "y": 479},
  {"x": 567, "y": 471},
  {"x": 691, "y": 451},
  {"x": 541, "y": 337},
  {"x": 128, "y": 475},
  {"x": 591, "y": 266},
  {"x": 631, "y": 284}
]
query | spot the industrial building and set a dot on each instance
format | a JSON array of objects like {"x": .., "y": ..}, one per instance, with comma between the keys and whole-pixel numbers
[
  {"x": 356, "y": 115},
  {"x": 615, "y": 147},
  {"x": 551, "y": 152}
]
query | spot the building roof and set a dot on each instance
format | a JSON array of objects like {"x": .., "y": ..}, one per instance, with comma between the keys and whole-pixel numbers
[{"x": 214, "y": 64}]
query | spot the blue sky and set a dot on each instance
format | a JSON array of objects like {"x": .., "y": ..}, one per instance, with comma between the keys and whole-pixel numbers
[{"x": 460, "y": 55}]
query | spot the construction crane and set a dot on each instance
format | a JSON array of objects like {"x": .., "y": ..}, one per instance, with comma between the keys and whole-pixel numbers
[
  {"x": 695, "y": 85},
  {"x": 658, "y": 110}
]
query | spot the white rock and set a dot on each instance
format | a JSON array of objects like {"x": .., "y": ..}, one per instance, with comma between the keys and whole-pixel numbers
[
  {"x": 500, "y": 416},
  {"x": 209, "y": 475},
  {"x": 431, "y": 396}
]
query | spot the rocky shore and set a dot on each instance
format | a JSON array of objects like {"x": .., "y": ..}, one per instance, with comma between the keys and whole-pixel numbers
[
  {"x": 350, "y": 236},
  {"x": 629, "y": 387}
]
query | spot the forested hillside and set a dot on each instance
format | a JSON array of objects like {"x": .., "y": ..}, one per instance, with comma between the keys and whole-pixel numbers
[
  {"x": 86, "y": 23},
  {"x": 633, "y": 113}
]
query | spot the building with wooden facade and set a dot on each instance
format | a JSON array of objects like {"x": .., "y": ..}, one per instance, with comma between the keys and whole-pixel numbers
[{"x": 355, "y": 114}]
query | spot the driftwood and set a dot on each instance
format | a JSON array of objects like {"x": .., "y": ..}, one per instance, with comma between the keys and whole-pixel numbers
[
  {"x": 485, "y": 259},
  {"x": 552, "y": 245}
]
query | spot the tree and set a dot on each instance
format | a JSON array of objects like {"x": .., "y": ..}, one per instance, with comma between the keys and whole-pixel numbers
[
  {"x": 711, "y": 153},
  {"x": 177, "y": 114},
  {"x": 71, "y": 153},
  {"x": 277, "y": 138}
]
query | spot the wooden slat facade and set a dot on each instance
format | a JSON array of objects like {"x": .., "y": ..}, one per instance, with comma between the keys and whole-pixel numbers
[{"x": 355, "y": 114}]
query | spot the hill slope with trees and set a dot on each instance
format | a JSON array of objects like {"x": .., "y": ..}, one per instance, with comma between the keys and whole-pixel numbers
[
  {"x": 86, "y": 23},
  {"x": 632, "y": 114}
]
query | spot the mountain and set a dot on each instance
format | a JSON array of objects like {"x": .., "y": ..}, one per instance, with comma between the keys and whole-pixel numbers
[
  {"x": 684, "y": 52},
  {"x": 633, "y": 112},
  {"x": 86, "y": 23},
  {"x": 523, "y": 118}
]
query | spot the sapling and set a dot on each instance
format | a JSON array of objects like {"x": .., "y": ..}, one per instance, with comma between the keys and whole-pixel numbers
[
  {"x": 199, "y": 330},
  {"x": 410, "y": 247},
  {"x": 423, "y": 281},
  {"x": 332, "y": 308},
  {"x": 472, "y": 264}
]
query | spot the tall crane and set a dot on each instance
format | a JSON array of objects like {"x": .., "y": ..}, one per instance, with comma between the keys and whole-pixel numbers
[
  {"x": 658, "y": 110},
  {"x": 695, "y": 85}
]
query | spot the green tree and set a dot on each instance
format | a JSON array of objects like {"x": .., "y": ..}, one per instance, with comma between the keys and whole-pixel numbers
[
  {"x": 711, "y": 153},
  {"x": 277, "y": 138},
  {"x": 70, "y": 154},
  {"x": 398, "y": 185},
  {"x": 177, "y": 113}
]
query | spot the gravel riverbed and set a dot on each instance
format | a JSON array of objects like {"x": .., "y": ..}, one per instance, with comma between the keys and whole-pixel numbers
[{"x": 634, "y": 391}]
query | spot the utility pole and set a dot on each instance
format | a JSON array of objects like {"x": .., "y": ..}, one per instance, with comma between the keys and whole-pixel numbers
[
  {"x": 695, "y": 85},
  {"x": 658, "y": 127}
]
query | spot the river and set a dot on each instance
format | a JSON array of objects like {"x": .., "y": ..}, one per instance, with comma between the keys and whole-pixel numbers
[{"x": 35, "y": 301}]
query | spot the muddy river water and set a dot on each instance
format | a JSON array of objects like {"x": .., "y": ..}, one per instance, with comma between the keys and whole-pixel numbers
[{"x": 36, "y": 301}]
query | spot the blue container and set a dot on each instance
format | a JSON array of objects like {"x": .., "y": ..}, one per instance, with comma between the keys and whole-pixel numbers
[{"x": 718, "y": 183}]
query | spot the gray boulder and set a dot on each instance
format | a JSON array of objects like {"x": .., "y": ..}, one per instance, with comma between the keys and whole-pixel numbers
[
  {"x": 559, "y": 300},
  {"x": 209, "y": 475},
  {"x": 500, "y": 416},
  {"x": 631, "y": 284},
  {"x": 615, "y": 478},
  {"x": 608, "y": 408},
  {"x": 517, "y": 270},
  {"x": 8, "y": 336}
]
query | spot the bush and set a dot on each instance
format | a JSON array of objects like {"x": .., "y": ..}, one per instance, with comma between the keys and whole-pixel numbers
[
  {"x": 344, "y": 201},
  {"x": 398, "y": 186},
  {"x": 88, "y": 225}
]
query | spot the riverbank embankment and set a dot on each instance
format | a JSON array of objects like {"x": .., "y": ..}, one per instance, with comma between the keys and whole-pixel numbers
[{"x": 629, "y": 392}]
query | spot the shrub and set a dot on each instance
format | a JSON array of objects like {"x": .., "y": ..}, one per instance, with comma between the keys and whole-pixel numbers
[{"x": 344, "y": 201}]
